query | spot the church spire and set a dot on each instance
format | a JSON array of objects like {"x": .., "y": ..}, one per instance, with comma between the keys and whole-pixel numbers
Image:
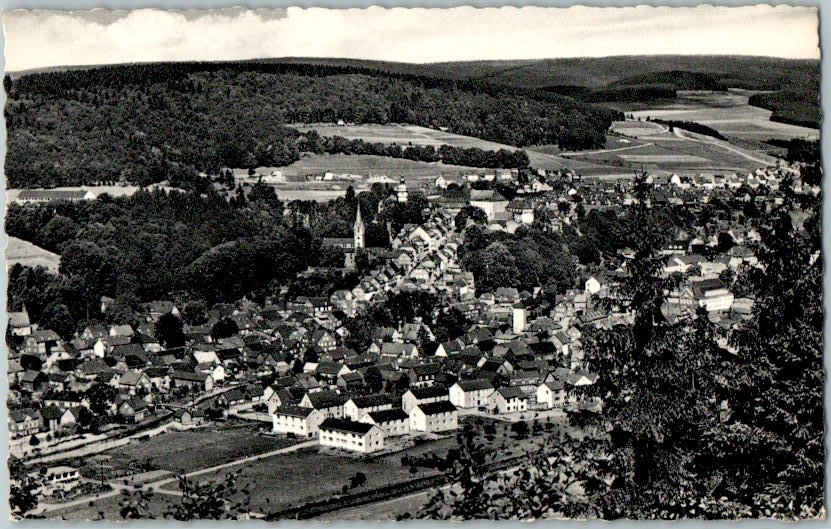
[{"x": 358, "y": 229}]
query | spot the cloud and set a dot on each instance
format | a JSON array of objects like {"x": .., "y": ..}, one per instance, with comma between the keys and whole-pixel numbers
[{"x": 40, "y": 38}]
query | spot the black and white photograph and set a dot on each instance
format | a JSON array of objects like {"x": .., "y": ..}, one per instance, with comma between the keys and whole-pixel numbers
[{"x": 391, "y": 264}]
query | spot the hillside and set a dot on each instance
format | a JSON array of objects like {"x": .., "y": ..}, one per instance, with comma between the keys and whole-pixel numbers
[{"x": 151, "y": 122}]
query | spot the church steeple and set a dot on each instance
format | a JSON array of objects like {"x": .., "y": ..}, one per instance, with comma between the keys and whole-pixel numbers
[{"x": 358, "y": 229}]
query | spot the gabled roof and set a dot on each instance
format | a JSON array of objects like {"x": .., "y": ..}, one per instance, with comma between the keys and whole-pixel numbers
[
  {"x": 325, "y": 399},
  {"x": 429, "y": 392},
  {"x": 434, "y": 408},
  {"x": 345, "y": 425},
  {"x": 190, "y": 375},
  {"x": 512, "y": 392},
  {"x": 369, "y": 401},
  {"x": 396, "y": 414},
  {"x": 293, "y": 411},
  {"x": 51, "y": 412},
  {"x": 474, "y": 385},
  {"x": 130, "y": 378}
]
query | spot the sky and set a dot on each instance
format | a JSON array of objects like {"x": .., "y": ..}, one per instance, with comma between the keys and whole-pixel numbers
[{"x": 39, "y": 38}]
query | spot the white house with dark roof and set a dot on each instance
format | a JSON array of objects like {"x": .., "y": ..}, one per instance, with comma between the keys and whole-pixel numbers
[
  {"x": 296, "y": 420},
  {"x": 351, "y": 435},
  {"x": 552, "y": 394},
  {"x": 393, "y": 422},
  {"x": 470, "y": 393},
  {"x": 356, "y": 407},
  {"x": 507, "y": 400},
  {"x": 423, "y": 395},
  {"x": 439, "y": 416}
]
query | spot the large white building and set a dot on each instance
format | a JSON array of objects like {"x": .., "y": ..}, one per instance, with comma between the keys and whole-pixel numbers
[
  {"x": 351, "y": 435},
  {"x": 392, "y": 422},
  {"x": 434, "y": 417},
  {"x": 489, "y": 201},
  {"x": 415, "y": 396},
  {"x": 470, "y": 393},
  {"x": 296, "y": 420},
  {"x": 552, "y": 394}
]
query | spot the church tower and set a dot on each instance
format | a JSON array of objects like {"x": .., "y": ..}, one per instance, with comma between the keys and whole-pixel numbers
[{"x": 358, "y": 230}]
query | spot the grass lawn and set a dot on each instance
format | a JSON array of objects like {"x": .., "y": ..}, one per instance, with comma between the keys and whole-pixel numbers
[
  {"x": 27, "y": 254},
  {"x": 110, "y": 509},
  {"x": 180, "y": 452},
  {"x": 364, "y": 164},
  {"x": 313, "y": 474}
]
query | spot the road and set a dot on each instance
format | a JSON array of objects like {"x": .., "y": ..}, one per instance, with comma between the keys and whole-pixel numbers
[
  {"x": 601, "y": 151},
  {"x": 155, "y": 486},
  {"x": 715, "y": 142}
]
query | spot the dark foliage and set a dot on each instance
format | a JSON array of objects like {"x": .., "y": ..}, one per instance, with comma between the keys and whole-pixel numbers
[
  {"x": 692, "y": 126},
  {"x": 152, "y": 122}
]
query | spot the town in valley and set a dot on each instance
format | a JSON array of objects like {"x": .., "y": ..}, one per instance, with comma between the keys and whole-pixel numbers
[{"x": 339, "y": 290}]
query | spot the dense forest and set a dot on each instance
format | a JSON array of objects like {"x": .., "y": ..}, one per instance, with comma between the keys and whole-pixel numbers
[
  {"x": 151, "y": 122},
  {"x": 628, "y": 93},
  {"x": 691, "y": 126},
  {"x": 151, "y": 246},
  {"x": 797, "y": 106}
]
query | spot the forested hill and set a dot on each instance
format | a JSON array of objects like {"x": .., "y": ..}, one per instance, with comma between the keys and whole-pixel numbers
[{"x": 150, "y": 122}]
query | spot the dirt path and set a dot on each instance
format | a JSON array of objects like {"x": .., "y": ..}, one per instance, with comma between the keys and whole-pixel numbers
[
  {"x": 155, "y": 486},
  {"x": 601, "y": 151},
  {"x": 697, "y": 138}
]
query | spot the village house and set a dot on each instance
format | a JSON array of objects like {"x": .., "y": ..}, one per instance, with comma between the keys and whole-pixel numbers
[
  {"x": 328, "y": 402},
  {"x": 393, "y": 422},
  {"x": 507, "y": 400},
  {"x": 470, "y": 393},
  {"x": 356, "y": 407},
  {"x": 23, "y": 423},
  {"x": 423, "y": 395},
  {"x": 352, "y": 436},
  {"x": 189, "y": 417},
  {"x": 551, "y": 394},
  {"x": 423, "y": 375},
  {"x": 41, "y": 342},
  {"x": 194, "y": 381},
  {"x": 296, "y": 420},
  {"x": 438, "y": 416},
  {"x": 134, "y": 409}
]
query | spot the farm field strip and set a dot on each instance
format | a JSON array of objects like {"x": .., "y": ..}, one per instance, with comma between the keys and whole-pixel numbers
[{"x": 27, "y": 254}]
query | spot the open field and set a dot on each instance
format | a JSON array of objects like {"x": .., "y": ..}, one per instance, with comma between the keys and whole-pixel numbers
[
  {"x": 283, "y": 480},
  {"x": 401, "y": 135},
  {"x": 366, "y": 164},
  {"x": 679, "y": 151},
  {"x": 280, "y": 481},
  {"x": 184, "y": 451},
  {"x": 729, "y": 114},
  {"x": 415, "y": 135},
  {"x": 110, "y": 507},
  {"x": 27, "y": 254}
]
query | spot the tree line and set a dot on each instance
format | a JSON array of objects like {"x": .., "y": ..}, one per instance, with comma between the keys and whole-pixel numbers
[
  {"x": 449, "y": 155},
  {"x": 148, "y": 123},
  {"x": 152, "y": 245}
]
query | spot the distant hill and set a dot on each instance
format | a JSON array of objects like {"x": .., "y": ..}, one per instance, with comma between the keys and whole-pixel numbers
[{"x": 145, "y": 123}]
